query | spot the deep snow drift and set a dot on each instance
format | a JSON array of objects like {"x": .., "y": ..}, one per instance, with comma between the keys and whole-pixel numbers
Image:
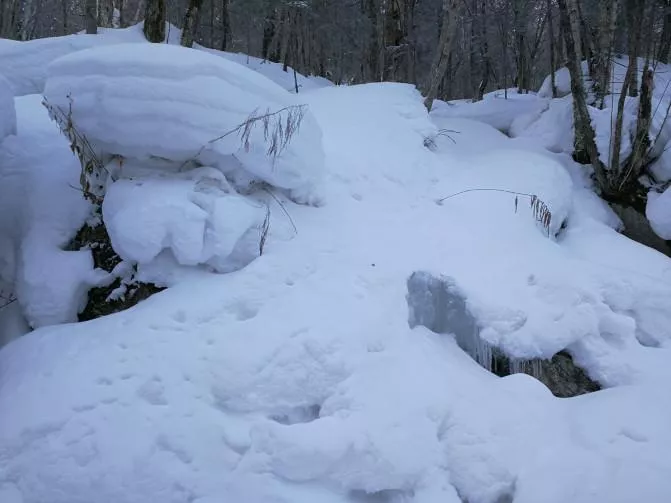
[{"x": 298, "y": 379}]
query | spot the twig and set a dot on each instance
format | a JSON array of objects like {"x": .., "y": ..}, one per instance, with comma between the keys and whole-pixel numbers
[
  {"x": 540, "y": 210},
  {"x": 283, "y": 208}
]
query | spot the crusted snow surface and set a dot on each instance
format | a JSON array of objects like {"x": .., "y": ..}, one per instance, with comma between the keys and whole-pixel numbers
[
  {"x": 158, "y": 100},
  {"x": 298, "y": 379}
]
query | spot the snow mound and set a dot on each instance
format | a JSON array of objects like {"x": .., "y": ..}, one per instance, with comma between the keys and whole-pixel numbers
[
  {"x": 658, "y": 212},
  {"x": 7, "y": 112},
  {"x": 157, "y": 100},
  {"x": 194, "y": 219}
]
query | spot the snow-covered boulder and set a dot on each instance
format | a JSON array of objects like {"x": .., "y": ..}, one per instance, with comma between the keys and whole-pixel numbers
[
  {"x": 7, "y": 112},
  {"x": 658, "y": 211},
  {"x": 193, "y": 218},
  {"x": 156, "y": 100}
]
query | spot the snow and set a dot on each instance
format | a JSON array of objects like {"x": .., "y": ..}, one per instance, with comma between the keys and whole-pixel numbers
[
  {"x": 7, "y": 112},
  {"x": 297, "y": 378},
  {"x": 194, "y": 219},
  {"x": 658, "y": 212},
  {"x": 661, "y": 168},
  {"x": 562, "y": 84},
  {"x": 41, "y": 211},
  {"x": 163, "y": 101},
  {"x": 25, "y": 63},
  {"x": 497, "y": 111}
]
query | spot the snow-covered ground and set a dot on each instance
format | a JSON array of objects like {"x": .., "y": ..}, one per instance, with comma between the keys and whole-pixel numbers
[{"x": 297, "y": 378}]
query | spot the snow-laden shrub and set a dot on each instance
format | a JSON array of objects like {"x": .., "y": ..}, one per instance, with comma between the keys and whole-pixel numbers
[
  {"x": 7, "y": 112},
  {"x": 160, "y": 101}
]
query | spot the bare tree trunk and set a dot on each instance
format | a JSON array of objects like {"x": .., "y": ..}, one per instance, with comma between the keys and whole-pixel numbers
[
  {"x": 28, "y": 19},
  {"x": 642, "y": 136},
  {"x": 665, "y": 46},
  {"x": 616, "y": 139},
  {"x": 484, "y": 52},
  {"x": 226, "y": 25},
  {"x": 451, "y": 10},
  {"x": 635, "y": 17},
  {"x": 601, "y": 63},
  {"x": 585, "y": 150},
  {"x": 154, "y": 21},
  {"x": 573, "y": 13},
  {"x": 64, "y": 9},
  {"x": 105, "y": 11},
  {"x": 190, "y": 25},
  {"x": 553, "y": 61},
  {"x": 120, "y": 5},
  {"x": 91, "y": 21},
  {"x": 520, "y": 20}
]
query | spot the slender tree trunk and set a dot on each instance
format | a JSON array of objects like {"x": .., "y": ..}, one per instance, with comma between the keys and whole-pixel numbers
[
  {"x": 154, "y": 21},
  {"x": 64, "y": 10},
  {"x": 122, "y": 13},
  {"x": 91, "y": 15},
  {"x": 521, "y": 19},
  {"x": 105, "y": 11},
  {"x": 616, "y": 139},
  {"x": 665, "y": 45},
  {"x": 451, "y": 10},
  {"x": 190, "y": 25},
  {"x": 268, "y": 36},
  {"x": 226, "y": 25},
  {"x": 553, "y": 61},
  {"x": 635, "y": 17},
  {"x": 484, "y": 52},
  {"x": 585, "y": 150},
  {"x": 573, "y": 13},
  {"x": 601, "y": 62}
]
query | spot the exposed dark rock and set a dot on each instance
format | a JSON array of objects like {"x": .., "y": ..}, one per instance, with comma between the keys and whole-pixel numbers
[
  {"x": 96, "y": 239},
  {"x": 437, "y": 304}
]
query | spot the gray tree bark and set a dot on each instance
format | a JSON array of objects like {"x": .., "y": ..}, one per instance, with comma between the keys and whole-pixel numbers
[
  {"x": 226, "y": 25},
  {"x": 665, "y": 46},
  {"x": 585, "y": 150},
  {"x": 154, "y": 21},
  {"x": 91, "y": 17},
  {"x": 451, "y": 11},
  {"x": 601, "y": 64},
  {"x": 190, "y": 25}
]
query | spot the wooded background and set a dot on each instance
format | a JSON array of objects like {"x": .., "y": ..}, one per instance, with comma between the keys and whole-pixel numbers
[{"x": 467, "y": 46}]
